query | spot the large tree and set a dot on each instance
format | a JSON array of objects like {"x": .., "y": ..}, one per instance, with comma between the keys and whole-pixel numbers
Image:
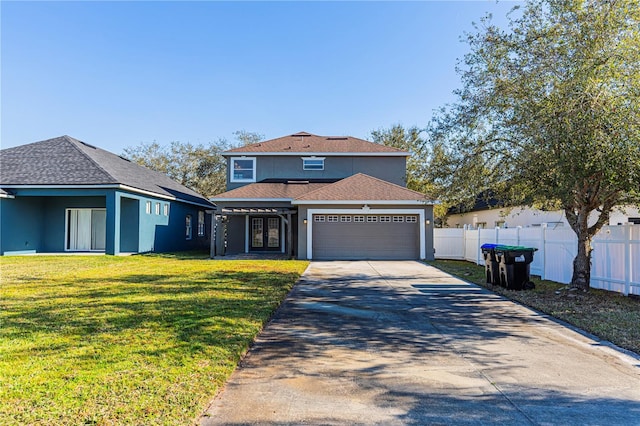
[{"x": 548, "y": 115}]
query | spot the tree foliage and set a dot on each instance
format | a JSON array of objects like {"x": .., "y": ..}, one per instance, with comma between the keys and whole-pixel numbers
[
  {"x": 199, "y": 167},
  {"x": 412, "y": 140},
  {"x": 548, "y": 114}
]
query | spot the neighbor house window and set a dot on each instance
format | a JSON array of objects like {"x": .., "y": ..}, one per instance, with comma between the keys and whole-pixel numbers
[
  {"x": 201, "y": 223},
  {"x": 166, "y": 209},
  {"x": 345, "y": 218},
  {"x": 332, "y": 218},
  {"x": 411, "y": 219},
  {"x": 313, "y": 163},
  {"x": 188, "y": 228},
  {"x": 158, "y": 209},
  {"x": 358, "y": 219},
  {"x": 148, "y": 207},
  {"x": 318, "y": 218},
  {"x": 372, "y": 219},
  {"x": 243, "y": 169},
  {"x": 385, "y": 218}
]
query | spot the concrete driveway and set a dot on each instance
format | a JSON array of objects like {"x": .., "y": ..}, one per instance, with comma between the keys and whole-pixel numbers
[{"x": 393, "y": 343}]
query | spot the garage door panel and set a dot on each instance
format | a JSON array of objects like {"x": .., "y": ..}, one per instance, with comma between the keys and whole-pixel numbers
[{"x": 366, "y": 240}]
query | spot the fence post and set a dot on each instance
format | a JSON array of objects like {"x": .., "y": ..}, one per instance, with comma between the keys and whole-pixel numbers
[
  {"x": 543, "y": 249},
  {"x": 478, "y": 247},
  {"x": 628, "y": 270}
]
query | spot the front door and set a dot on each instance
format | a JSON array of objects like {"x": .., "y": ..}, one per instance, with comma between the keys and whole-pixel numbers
[{"x": 265, "y": 233}]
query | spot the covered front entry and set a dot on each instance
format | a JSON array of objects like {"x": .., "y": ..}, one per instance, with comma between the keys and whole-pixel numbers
[
  {"x": 366, "y": 236},
  {"x": 265, "y": 233},
  {"x": 239, "y": 230}
]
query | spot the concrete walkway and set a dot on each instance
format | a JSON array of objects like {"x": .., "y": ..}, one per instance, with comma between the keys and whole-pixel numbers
[{"x": 401, "y": 343}]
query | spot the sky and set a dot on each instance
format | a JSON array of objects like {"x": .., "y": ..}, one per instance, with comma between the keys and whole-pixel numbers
[{"x": 118, "y": 74}]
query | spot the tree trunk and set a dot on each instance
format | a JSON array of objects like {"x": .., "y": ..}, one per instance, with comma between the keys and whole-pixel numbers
[
  {"x": 581, "y": 278},
  {"x": 578, "y": 220}
]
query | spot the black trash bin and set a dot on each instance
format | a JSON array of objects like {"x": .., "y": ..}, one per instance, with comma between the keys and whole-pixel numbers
[
  {"x": 514, "y": 264},
  {"x": 491, "y": 266}
]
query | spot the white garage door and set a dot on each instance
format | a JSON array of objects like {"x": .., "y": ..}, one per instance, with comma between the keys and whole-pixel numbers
[{"x": 376, "y": 237}]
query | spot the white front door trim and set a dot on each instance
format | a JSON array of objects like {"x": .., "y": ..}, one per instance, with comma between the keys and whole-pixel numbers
[{"x": 369, "y": 211}]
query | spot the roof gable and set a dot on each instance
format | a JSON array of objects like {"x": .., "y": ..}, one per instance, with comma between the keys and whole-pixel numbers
[
  {"x": 65, "y": 161},
  {"x": 306, "y": 143}
]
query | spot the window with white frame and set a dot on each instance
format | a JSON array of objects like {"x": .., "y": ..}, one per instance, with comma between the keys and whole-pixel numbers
[
  {"x": 201, "y": 223},
  {"x": 372, "y": 219},
  {"x": 243, "y": 169},
  {"x": 345, "y": 218},
  {"x": 158, "y": 209},
  {"x": 313, "y": 163},
  {"x": 166, "y": 209},
  {"x": 188, "y": 227},
  {"x": 398, "y": 219},
  {"x": 148, "y": 207},
  {"x": 358, "y": 219},
  {"x": 332, "y": 218},
  {"x": 385, "y": 218},
  {"x": 318, "y": 218},
  {"x": 411, "y": 219}
]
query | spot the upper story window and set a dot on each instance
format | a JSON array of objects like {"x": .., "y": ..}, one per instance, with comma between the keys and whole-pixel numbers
[
  {"x": 243, "y": 169},
  {"x": 313, "y": 163}
]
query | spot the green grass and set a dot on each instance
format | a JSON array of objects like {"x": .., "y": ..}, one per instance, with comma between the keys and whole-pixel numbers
[
  {"x": 127, "y": 340},
  {"x": 608, "y": 315}
]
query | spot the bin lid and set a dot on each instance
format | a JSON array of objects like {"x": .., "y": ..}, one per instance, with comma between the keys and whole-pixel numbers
[
  {"x": 515, "y": 248},
  {"x": 489, "y": 246}
]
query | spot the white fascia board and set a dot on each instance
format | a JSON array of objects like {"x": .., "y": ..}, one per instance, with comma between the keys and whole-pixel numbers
[
  {"x": 365, "y": 211},
  {"x": 108, "y": 186},
  {"x": 268, "y": 200},
  {"x": 7, "y": 196},
  {"x": 309, "y": 154},
  {"x": 360, "y": 202}
]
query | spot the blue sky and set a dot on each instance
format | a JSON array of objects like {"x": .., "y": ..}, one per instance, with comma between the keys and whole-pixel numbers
[{"x": 117, "y": 74}]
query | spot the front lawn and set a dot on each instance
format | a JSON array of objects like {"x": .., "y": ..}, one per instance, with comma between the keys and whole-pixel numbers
[
  {"x": 610, "y": 316},
  {"x": 127, "y": 340}
]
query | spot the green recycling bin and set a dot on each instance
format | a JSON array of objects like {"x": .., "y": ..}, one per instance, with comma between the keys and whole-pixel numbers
[{"x": 514, "y": 264}]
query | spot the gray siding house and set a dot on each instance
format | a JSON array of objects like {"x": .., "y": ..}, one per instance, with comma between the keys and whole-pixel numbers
[
  {"x": 64, "y": 195},
  {"x": 323, "y": 198}
]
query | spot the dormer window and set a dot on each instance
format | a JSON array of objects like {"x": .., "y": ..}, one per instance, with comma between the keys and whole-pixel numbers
[
  {"x": 313, "y": 163},
  {"x": 243, "y": 169}
]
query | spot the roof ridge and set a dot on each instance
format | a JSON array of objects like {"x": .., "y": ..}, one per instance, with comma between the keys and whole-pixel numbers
[{"x": 74, "y": 142}]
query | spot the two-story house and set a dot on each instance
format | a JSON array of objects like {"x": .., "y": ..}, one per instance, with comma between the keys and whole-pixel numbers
[{"x": 318, "y": 197}]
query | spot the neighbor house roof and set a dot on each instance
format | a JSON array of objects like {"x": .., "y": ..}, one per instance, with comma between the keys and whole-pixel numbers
[
  {"x": 304, "y": 143},
  {"x": 359, "y": 188},
  {"x": 65, "y": 162}
]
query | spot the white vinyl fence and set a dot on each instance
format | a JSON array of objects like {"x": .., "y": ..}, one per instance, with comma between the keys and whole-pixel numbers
[{"x": 615, "y": 260}]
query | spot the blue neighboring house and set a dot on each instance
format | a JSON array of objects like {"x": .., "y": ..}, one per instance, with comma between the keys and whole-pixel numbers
[{"x": 64, "y": 195}]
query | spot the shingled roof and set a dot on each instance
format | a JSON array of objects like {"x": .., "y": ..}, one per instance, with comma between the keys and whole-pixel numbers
[
  {"x": 307, "y": 143},
  {"x": 260, "y": 190},
  {"x": 361, "y": 187},
  {"x": 356, "y": 188},
  {"x": 65, "y": 161}
]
